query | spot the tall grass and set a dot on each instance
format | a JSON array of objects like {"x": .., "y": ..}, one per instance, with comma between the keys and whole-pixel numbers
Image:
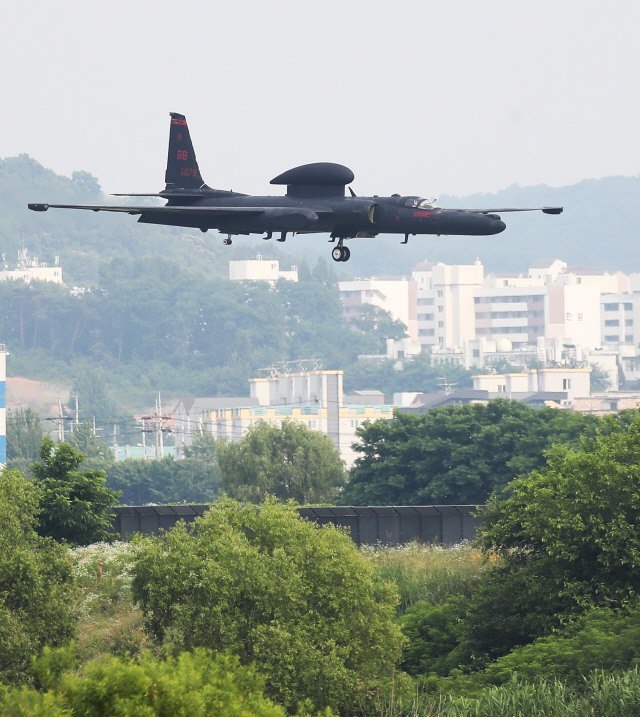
[
  {"x": 427, "y": 573},
  {"x": 108, "y": 620},
  {"x": 602, "y": 695}
]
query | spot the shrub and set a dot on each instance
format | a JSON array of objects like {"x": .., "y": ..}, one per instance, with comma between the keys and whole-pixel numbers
[
  {"x": 299, "y": 600},
  {"x": 196, "y": 684},
  {"x": 36, "y": 585}
]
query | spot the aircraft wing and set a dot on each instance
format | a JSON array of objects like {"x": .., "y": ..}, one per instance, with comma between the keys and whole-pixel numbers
[
  {"x": 546, "y": 210},
  {"x": 140, "y": 210}
]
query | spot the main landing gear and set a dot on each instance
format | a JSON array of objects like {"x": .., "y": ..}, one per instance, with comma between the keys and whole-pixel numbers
[{"x": 340, "y": 252}]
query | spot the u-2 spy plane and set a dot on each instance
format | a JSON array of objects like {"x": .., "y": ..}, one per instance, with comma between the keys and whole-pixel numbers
[{"x": 315, "y": 202}]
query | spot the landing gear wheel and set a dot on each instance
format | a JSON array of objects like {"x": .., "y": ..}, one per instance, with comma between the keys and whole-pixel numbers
[
  {"x": 345, "y": 253},
  {"x": 336, "y": 253}
]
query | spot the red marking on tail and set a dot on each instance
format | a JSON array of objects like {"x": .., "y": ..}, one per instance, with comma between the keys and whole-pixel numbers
[
  {"x": 422, "y": 214},
  {"x": 178, "y": 121}
]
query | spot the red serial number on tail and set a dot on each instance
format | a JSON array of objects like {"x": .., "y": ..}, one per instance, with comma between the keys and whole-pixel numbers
[{"x": 188, "y": 172}]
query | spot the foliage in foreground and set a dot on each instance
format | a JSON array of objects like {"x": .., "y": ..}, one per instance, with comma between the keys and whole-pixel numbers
[
  {"x": 36, "y": 585},
  {"x": 196, "y": 684},
  {"x": 574, "y": 523},
  {"x": 289, "y": 461},
  {"x": 298, "y": 600},
  {"x": 567, "y": 540}
]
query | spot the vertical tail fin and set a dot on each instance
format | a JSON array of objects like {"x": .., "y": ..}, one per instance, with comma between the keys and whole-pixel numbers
[{"x": 182, "y": 167}]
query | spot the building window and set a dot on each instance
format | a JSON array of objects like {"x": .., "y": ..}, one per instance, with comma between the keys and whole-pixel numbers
[
  {"x": 425, "y": 317},
  {"x": 628, "y": 322},
  {"x": 441, "y": 340},
  {"x": 476, "y": 353},
  {"x": 579, "y": 280},
  {"x": 440, "y": 308},
  {"x": 628, "y": 307},
  {"x": 425, "y": 302},
  {"x": 612, "y": 322},
  {"x": 502, "y": 389},
  {"x": 440, "y": 292},
  {"x": 579, "y": 317},
  {"x": 440, "y": 324},
  {"x": 568, "y": 315},
  {"x": 566, "y": 384},
  {"x": 629, "y": 338},
  {"x": 426, "y": 332},
  {"x": 611, "y": 307},
  {"x": 612, "y": 339}
]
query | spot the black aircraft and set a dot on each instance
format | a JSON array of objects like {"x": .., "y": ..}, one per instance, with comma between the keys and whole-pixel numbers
[{"x": 315, "y": 202}]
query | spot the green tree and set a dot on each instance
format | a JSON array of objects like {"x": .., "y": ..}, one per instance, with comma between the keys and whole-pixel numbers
[
  {"x": 198, "y": 684},
  {"x": 203, "y": 446},
  {"x": 192, "y": 480},
  {"x": 290, "y": 461},
  {"x": 96, "y": 452},
  {"x": 24, "y": 436},
  {"x": 75, "y": 505},
  {"x": 91, "y": 388},
  {"x": 299, "y": 600},
  {"x": 36, "y": 584},
  {"x": 575, "y": 520},
  {"x": 456, "y": 454}
]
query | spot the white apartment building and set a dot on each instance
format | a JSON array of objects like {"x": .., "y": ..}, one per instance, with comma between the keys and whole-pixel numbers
[
  {"x": 620, "y": 321},
  {"x": 397, "y": 296},
  {"x": 260, "y": 269},
  {"x": 445, "y": 302},
  {"x": 574, "y": 382}
]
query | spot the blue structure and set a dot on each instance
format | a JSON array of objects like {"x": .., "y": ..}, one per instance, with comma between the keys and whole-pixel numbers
[{"x": 3, "y": 409}]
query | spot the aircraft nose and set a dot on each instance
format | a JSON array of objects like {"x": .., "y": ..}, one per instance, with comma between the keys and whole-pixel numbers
[{"x": 497, "y": 226}]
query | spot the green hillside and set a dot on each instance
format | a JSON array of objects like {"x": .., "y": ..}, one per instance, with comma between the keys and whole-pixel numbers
[{"x": 597, "y": 228}]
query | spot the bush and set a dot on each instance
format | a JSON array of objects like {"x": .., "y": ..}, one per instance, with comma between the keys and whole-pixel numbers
[
  {"x": 196, "y": 684},
  {"x": 36, "y": 585},
  {"x": 297, "y": 599}
]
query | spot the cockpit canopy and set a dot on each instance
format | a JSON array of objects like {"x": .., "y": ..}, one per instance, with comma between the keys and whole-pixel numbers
[{"x": 422, "y": 204}]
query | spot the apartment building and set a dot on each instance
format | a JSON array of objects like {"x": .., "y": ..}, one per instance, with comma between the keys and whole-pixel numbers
[
  {"x": 444, "y": 297},
  {"x": 397, "y": 296},
  {"x": 260, "y": 269}
]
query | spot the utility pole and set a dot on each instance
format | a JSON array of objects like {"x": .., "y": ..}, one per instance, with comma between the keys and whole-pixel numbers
[
  {"x": 161, "y": 417},
  {"x": 115, "y": 443},
  {"x": 77, "y": 412},
  {"x": 144, "y": 439},
  {"x": 60, "y": 422},
  {"x": 94, "y": 426}
]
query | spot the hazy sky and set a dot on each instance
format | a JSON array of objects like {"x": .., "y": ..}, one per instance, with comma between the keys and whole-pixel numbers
[{"x": 416, "y": 97}]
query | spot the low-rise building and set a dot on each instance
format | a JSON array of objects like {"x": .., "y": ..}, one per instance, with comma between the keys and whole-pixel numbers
[
  {"x": 260, "y": 269},
  {"x": 314, "y": 398}
]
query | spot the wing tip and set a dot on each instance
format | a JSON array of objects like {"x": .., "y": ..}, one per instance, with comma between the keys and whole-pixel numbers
[
  {"x": 38, "y": 207},
  {"x": 553, "y": 210}
]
